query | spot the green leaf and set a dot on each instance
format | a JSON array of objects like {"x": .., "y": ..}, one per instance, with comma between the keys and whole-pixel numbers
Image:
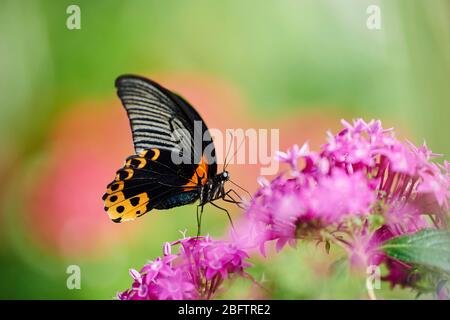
[{"x": 429, "y": 248}]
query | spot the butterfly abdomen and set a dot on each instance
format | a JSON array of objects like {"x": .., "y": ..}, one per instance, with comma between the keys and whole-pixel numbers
[{"x": 179, "y": 200}]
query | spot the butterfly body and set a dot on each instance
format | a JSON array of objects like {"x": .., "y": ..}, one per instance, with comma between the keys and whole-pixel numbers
[
  {"x": 153, "y": 178},
  {"x": 213, "y": 189}
]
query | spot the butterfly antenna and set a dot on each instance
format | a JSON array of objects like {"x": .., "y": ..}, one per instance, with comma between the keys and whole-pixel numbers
[
  {"x": 228, "y": 151},
  {"x": 240, "y": 145}
]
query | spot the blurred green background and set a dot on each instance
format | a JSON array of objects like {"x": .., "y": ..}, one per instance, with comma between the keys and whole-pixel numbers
[{"x": 303, "y": 64}]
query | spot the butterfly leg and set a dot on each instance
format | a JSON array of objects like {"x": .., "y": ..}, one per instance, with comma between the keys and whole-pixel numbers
[
  {"x": 237, "y": 194},
  {"x": 199, "y": 219},
  {"x": 233, "y": 200},
  {"x": 226, "y": 211}
]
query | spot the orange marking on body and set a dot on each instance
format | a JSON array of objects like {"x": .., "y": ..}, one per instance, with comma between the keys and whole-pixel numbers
[{"x": 200, "y": 173}]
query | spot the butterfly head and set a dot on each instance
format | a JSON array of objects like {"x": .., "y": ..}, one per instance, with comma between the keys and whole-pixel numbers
[
  {"x": 224, "y": 176},
  {"x": 218, "y": 181}
]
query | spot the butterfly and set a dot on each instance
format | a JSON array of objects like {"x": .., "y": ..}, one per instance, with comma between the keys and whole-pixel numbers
[{"x": 164, "y": 126}]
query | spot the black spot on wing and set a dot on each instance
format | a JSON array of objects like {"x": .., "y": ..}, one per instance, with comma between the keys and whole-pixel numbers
[
  {"x": 134, "y": 201},
  {"x": 120, "y": 209}
]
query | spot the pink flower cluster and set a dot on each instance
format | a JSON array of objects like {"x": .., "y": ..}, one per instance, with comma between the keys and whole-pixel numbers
[
  {"x": 361, "y": 188},
  {"x": 195, "y": 272},
  {"x": 362, "y": 174}
]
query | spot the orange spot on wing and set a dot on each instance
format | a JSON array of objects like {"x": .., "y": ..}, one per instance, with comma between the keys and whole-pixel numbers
[
  {"x": 156, "y": 154},
  {"x": 143, "y": 153}
]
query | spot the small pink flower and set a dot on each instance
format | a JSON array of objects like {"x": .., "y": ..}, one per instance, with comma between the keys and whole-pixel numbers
[
  {"x": 177, "y": 285},
  {"x": 292, "y": 156}
]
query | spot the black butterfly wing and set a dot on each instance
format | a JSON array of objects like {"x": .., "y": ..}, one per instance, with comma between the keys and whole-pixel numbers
[
  {"x": 155, "y": 113},
  {"x": 150, "y": 179}
]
